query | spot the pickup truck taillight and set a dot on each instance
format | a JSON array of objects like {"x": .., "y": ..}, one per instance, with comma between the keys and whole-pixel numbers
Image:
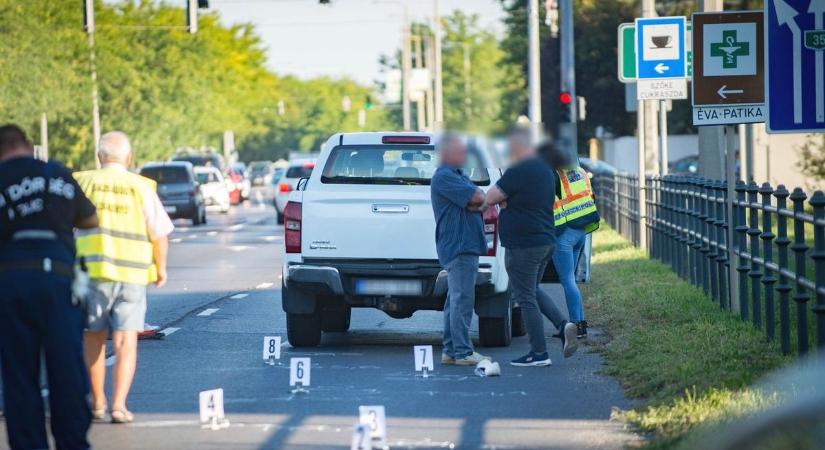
[
  {"x": 284, "y": 188},
  {"x": 491, "y": 229},
  {"x": 292, "y": 227}
]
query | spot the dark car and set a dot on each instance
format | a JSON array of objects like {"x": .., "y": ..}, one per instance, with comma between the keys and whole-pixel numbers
[
  {"x": 258, "y": 171},
  {"x": 200, "y": 159},
  {"x": 596, "y": 167},
  {"x": 178, "y": 191}
]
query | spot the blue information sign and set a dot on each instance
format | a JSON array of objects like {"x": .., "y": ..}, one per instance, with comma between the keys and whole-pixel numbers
[
  {"x": 795, "y": 84},
  {"x": 660, "y": 48}
]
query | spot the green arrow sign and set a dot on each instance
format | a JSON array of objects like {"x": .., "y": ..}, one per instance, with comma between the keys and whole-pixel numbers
[
  {"x": 627, "y": 52},
  {"x": 815, "y": 39}
]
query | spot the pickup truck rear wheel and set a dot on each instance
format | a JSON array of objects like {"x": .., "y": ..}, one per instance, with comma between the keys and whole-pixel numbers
[
  {"x": 303, "y": 330},
  {"x": 336, "y": 320},
  {"x": 495, "y": 331}
]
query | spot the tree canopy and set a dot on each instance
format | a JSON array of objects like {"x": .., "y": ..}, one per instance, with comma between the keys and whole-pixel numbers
[{"x": 164, "y": 87}]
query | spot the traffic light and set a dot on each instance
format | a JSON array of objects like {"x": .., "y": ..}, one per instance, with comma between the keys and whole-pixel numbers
[
  {"x": 192, "y": 7},
  {"x": 566, "y": 103}
]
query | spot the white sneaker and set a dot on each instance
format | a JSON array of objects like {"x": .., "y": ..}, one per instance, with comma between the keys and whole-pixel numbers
[
  {"x": 447, "y": 359},
  {"x": 471, "y": 359}
]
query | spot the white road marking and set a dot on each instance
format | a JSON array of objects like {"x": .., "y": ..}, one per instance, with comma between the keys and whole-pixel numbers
[
  {"x": 192, "y": 236},
  {"x": 260, "y": 198},
  {"x": 271, "y": 238},
  {"x": 239, "y": 296},
  {"x": 237, "y": 227},
  {"x": 240, "y": 248},
  {"x": 110, "y": 361},
  {"x": 208, "y": 312},
  {"x": 168, "y": 331},
  {"x": 176, "y": 240},
  {"x": 212, "y": 233},
  {"x": 264, "y": 285},
  {"x": 182, "y": 229}
]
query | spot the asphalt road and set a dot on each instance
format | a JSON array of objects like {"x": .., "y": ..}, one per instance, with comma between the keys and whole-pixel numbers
[{"x": 224, "y": 297}]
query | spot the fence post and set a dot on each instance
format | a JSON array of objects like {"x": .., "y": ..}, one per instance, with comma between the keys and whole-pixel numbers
[
  {"x": 800, "y": 249},
  {"x": 784, "y": 287},
  {"x": 755, "y": 274},
  {"x": 769, "y": 278},
  {"x": 696, "y": 242},
  {"x": 684, "y": 228},
  {"x": 653, "y": 209},
  {"x": 721, "y": 239},
  {"x": 705, "y": 249},
  {"x": 615, "y": 194},
  {"x": 818, "y": 255},
  {"x": 710, "y": 232},
  {"x": 742, "y": 266}
]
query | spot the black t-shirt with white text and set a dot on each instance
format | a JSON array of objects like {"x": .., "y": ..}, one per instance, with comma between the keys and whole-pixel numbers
[{"x": 35, "y": 195}]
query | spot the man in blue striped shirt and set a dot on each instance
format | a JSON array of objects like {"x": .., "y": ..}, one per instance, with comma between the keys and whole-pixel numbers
[{"x": 459, "y": 240}]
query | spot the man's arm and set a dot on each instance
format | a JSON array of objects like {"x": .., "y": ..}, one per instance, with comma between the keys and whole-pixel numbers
[
  {"x": 456, "y": 190},
  {"x": 495, "y": 196},
  {"x": 476, "y": 203},
  {"x": 87, "y": 222},
  {"x": 160, "y": 248}
]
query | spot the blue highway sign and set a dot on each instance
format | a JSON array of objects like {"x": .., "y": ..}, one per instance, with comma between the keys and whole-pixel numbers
[
  {"x": 795, "y": 82},
  {"x": 661, "y": 48}
]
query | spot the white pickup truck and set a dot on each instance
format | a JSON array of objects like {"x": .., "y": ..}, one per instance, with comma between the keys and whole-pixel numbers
[{"x": 360, "y": 232}]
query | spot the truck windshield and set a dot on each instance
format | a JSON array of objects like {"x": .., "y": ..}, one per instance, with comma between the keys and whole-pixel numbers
[{"x": 384, "y": 164}]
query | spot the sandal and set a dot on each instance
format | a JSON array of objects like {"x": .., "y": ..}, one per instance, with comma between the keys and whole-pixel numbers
[
  {"x": 122, "y": 415},
  {"x": 99, "y": 414}
]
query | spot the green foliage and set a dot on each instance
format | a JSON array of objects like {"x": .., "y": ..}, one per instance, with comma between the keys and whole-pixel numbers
[
  {"x": 812, "y": 157},
  {"x": 668, "y": 344},
  {"x": 164, "y": 87}
]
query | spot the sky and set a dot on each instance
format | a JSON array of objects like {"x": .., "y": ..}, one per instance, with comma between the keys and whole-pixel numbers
[{"x": 345, "y": 38}]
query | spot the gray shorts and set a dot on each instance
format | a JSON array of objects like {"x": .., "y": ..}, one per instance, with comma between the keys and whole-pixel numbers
[{"x": 116, "y": 306}]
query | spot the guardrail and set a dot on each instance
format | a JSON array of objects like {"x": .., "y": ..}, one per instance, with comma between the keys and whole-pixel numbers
[{"x": 778, "y": 250}]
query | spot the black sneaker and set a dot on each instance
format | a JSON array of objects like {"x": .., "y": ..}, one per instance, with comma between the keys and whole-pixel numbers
[
  {"x": 581, "y": 329},
  {"x": 569, "y": 343},
  {"x": 532, "y": 360}
]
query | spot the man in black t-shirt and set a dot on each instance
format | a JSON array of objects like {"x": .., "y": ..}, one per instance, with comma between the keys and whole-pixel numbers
[
  {"x": 526, "y": 229},
  {"x": 40, "y": 204}
]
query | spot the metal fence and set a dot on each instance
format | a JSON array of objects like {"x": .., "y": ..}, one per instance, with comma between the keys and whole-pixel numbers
[{"x": 778, "y": 249}]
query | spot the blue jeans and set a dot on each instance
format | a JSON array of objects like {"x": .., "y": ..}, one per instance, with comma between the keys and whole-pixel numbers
[
  {"x": 525, "y": 267},
  {"x": 458, "y": 309},
  {"x": 569, "y": 246}
]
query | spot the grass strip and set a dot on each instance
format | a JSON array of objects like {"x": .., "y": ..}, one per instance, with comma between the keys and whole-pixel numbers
[{"x": 688, "y": 361}]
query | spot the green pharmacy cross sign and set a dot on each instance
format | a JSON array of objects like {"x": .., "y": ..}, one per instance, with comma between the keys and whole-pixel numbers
[
  {"x": 627, "y": 52},
  {"x": 729, "y": 49}
]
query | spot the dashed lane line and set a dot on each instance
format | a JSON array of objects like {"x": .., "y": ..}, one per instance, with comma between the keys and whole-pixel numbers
[
  {"x": 208, "y": 312},
  {"x": 264, "y": 285},
  {"x": 169, "y": 330},
  {"x": 239, "y": 296}
]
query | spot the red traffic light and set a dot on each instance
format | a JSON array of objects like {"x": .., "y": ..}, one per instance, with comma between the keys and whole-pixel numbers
[{"x": 565, "y": 98}]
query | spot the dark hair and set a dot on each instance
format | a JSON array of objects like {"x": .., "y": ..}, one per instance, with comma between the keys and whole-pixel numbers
[
  {"x": 12, "y": 137},
  {"x": 554, "y": 155}
]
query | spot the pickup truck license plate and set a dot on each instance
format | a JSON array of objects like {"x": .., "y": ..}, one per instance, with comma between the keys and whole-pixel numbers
[
  {"x": 387, "y": 287},
  {"x": 171, "y": 209}
]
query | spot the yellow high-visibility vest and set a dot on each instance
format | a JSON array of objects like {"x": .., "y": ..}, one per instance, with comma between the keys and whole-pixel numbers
[
  {"x": 577, "y": 198},
  {"x": 120, "y": 249}
]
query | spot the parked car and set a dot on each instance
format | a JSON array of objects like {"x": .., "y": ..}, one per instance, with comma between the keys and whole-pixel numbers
[
  {"x": 214, "y": 187},
  {"x": 258, "y": 171},
  {"x": 359, "y": 234},
  {"x": 198, "y": 159},
  {"x": 297, "y": 169},
  {"x": 689, "y": 165},
  {"x": 178, "y": 190},
  {"x": 595, "y": 167}
]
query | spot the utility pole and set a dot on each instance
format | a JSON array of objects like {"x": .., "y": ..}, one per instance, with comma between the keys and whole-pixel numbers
[
  {"x": 650, "y": 110},
  {"x": 89, "y": 25},
  {"x": 439, "y": 88},
  {"x": 468, "y": 100},
  {"x": 405, "y": 71},
  {"x": 663, "y": 164},
  {"x": 421, "y": 97},
  {"x": 429, "y": 51},
  {"x": 533, "y": 70},
  {"x": 568, "y": 131},
  {"x": 712, "y": 138},
  {"x": 44, "y": 137}
]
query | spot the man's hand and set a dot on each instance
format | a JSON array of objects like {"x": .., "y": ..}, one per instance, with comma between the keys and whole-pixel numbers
[
  {"x": 477, "y": 201},
  {"x": 162, "y": 277}
]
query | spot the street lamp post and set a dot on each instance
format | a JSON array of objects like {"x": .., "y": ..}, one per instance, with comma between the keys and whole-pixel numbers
[{"x": 533, "y": 70}]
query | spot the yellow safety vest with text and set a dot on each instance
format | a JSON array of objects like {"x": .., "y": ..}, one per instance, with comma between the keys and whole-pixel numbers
[
  {"x": 120, "y": 249},
  {"x": 577, "y": 198}
]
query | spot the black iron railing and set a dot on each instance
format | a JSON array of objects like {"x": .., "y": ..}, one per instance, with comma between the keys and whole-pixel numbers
[{"x": 778, "y": 246}]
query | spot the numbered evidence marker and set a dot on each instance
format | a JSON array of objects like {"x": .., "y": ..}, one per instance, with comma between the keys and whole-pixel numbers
[
  {"x": 272, "y": 349},
  {"x": 423, "y": 359},
  {"x": 211, "y": 409},
  {"x": 361, "y": 439},
  {"x": 374, "y": 418},
  {"x": 299, "y": 374}
]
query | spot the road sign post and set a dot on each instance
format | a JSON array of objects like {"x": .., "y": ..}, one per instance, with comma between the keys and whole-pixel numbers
[
  {"x": 728, "y": 82},
  {"x": 795, "y": 78}
]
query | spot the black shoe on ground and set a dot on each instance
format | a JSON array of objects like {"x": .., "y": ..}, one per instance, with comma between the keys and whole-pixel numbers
[
  {"x": 532, "y": 360},
  {"x": 581, "y": 329}
]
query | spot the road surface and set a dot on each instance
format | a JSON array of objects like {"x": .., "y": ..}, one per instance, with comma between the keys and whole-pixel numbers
[{"x": 224, "y": 297}]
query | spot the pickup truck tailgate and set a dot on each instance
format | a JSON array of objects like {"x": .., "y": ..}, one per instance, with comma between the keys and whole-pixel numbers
[{"x": 377, "y": 221}]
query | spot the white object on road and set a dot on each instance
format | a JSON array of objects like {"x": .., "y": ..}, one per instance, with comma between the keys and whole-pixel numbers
[
  {"x": 211, "y": 409},
  {"x": 299, "y": 376},
  {"x": 361, "y": 439},
  {"x": 208, "y": 312},
  {"x": 423, "y": 355},
  {"x": 272, "y": 349},
  {"x": 487, "y": 368},
  {"x": 375, "y": 419}
]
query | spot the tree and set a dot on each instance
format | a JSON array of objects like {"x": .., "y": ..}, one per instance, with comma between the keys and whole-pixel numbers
[{"x": 812, "y": 157}]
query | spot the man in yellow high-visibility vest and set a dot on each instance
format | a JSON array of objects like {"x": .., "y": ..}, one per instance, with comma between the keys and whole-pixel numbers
[{"x": 125, "y": 254}]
